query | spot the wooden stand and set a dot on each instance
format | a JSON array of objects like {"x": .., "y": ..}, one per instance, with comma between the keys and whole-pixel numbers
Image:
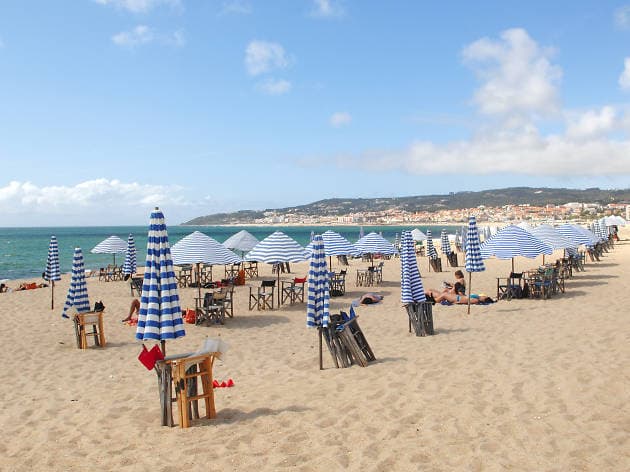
[
  {"x": 81, "y": 323},
  {"x": 421, "y": 318},
  {"x": 347, "y": 343}
]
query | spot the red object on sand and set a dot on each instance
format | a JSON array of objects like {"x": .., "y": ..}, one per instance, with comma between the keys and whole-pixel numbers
[
  {"x": 230, "y": 383},
  {"x": 146, "y": 358},
  {"x": 223, "y": 384},
  {"x": 215, "y": 384},
  {"x": 156, "y": 352}
]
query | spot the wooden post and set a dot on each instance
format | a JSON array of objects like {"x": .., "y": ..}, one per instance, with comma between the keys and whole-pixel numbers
[
  {"x": 469, "y": 292},
  {"x": 321, "y": 360},
  {"x": 52, "y": 294}
]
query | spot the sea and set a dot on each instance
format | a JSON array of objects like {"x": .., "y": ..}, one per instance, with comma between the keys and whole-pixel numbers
[{"x": 23, "y": 251}]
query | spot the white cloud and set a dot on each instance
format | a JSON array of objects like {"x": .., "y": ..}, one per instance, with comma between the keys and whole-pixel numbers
[
  {"x": 340, "y": 119},
  {"x": 264, "y": 56},
  {"x": 141, "y": 34},
  {"x": 139, "y": 6},
  {"x": 624, "y": 78},
  {"x": 274, "y": 86},
  {"x": 176, "y": 39},
  {"x": 592, "y": 123},
  {"x": 622, "y": 17},
  {"x": 516, "y": 74},
  {"x": 327, "y": 9},
  {"x": 236, "y": 7}
]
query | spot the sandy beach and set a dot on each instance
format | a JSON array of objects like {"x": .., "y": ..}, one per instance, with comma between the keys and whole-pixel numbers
[{"x": 524, "y": 385}]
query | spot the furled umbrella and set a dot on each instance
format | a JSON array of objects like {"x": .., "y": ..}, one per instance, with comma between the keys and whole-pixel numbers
[
  {"x": 445, "y": 244},
  {"x": 160, "y": 314},
  {"x": 77, "y": 293},
  {"x": 318, "y": 289},
  {"x": 53, "y": 271},
  {"x": 513, "y": 241},
  {"x": 275, "y": 249},
  {"x": 361, "y": 233},
  {"x": 431, "y": 251},
  {"x": 130, "y": 257},
  {"x": 474, "y": 261},
  {"x": 463, "y": 232},
  {"x": 374, "y": 243},
  {"x": 112, "y": 245},
  {"x": 411, "y": 288}
]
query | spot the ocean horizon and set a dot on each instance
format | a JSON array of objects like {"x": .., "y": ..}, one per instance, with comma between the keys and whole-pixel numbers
[{"x": 23, "y": 251}]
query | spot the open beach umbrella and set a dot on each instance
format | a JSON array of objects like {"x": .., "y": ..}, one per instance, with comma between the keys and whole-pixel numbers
[
  {"x": 318, "y": 286},
  {"x": 160, "y": 315},
  {"x": 431, "y": 251},
  {"x": 335, "y": 245},
  {"x": 513, "y": 241},
  {"x": 277, "y": 248},
  {"x": 552, "y": 237},
  {"x": 411, "y": 288},
  {"x": 373, "y": 243},
  {"x": 53, "y": 271},
  {"x": 418, "y": 235},
  {"x": 445, "y": 243},
  {"x": 111, "y": 245},
  {"x": 77, "y": 293},
  {"x": 243, "y": 241},
  {"x": 577, "y": 234},
  {"x": 130, "y": 257},
  {"x": 474, "y": 261},
  {"x": 198, "y": 248}
]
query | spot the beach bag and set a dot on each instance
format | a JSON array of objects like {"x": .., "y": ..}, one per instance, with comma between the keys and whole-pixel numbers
[{"x": 98, "y": 306}]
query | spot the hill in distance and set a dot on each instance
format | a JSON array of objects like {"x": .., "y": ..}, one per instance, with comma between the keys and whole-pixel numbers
[{"x": 456, "y": 200}]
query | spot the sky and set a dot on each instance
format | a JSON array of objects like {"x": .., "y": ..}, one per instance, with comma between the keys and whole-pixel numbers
[{"x": 111, "y": 107}]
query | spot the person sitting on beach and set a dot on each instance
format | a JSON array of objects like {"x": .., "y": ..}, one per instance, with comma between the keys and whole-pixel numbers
[
  {"x": 437, "y": 297},
  {"x": 134, "y": 308},
  {"x": 367, "y": 299},
  {"x": 459, "y": 287}
]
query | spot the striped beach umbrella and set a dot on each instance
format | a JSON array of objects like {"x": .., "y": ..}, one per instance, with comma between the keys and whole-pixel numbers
[
  {"x": 335, "y": 245},
  {"x": 411, "y": 288},
  {"x": 130, "y": 257},
  {"x": 77, "y": 293},
  {"x": 513, "y": 241},
  {"x": 53, "y": 271},
  {"x": 474, "y": 261},
  {"x": 463, "y": 232},
  {"x": 577, "y": 234},
  {"x": 552, "y": 237},
  {"x": 431, "y": 251},
  {"x": 418, "y": 235},
  {"x": 112, "y": 245},
  {"x": 243, "y": 241},
  {"x": 160, "y": 314},
  {"x": 318, "y": 286},
  {"x": 445, "y": 243},
  {"x": 277, "y": 248},
  {"x": 373, "y": 243}
]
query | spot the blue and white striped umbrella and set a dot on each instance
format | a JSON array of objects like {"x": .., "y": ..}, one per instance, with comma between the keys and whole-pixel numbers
[
  {"x": 513, "y": 241},
  {"x": 200, "y": 248},
  {"x": 53, "y": 271},
  {"x": 160, "y": 314},
  {"x": 318, "y": 286},
  {"x": 463, "y": 232},
  {"x": 431, "y": 251},
  {"x": 445, "y": 243},
  {"x": 277, "y": 247},
  {"x": 130, "y": 257},
  {"x": 77, "y": 293},
  {"x": 601, "y": 231},
  {"x": 577, "y": 234},
  {"x": 552, "y": 237},
  {"x": 374, "y": 243},
  {"x": 112, "y": 245},
  {"x": 474, "y": 261},
  {"x": 243, "y": 241},
  {"x": 411, "y": 288},
  {"x": 336, "y": 245}
]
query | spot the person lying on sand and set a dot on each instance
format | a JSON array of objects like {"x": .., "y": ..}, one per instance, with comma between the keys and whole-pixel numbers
[
  {"x": 31, "y": 286},
  {"x": 367, "y": 299},
  {"x": 437, "y": 297}
]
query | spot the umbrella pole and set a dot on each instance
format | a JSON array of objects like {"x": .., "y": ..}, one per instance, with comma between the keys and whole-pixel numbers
[
  {"x": 199, "y": 281},
  {"x": 278, "y": 286},
  {"x": 163, "y": 343},
  {"x": 52, "y": 294},
  {"x": 512, "y": 265},
  {"x": 321, "y": 360},
  {"x": 469, "y": 292}
]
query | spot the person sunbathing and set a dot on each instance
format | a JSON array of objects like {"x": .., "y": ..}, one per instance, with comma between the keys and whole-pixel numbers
[
  {"x": 367, "y": 299},
  {"x": 459, "y": 287},
  {"x": 134, "y": 308},
  {"x": 437, "y": 297}
]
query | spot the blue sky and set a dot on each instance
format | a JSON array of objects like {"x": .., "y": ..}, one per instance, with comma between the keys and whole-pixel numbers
[{"x": 110, "y": 107}]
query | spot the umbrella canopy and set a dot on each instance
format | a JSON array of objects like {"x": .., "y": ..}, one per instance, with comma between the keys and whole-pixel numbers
[
  {"x": 335, "y": 245},
  {"x": 244, "y": 241},
  {"x": 77, "y": 293},
  {"x": 112, "y": 245},
  {"x": 552, "y": 237},
  {"x": 431, "y": 252},
  {"x": 160, "y": 315},
  {"x": 411, "y": 288},
  {"x": 474, "y": 261},
  {"x": 614, "y": 220},
  {"x": 577, "y": 234},
  {"x": 53, "y": 271},
  {"x": 200, "y": 248},
  {"x": 513, "y": 241},
  {"x": 445, "y": 243},
  {"x": 277, "y": 247},
  {"x": 418, "y": 235},
  {"x": 374, "y": 243},
  {"x": 130, "y": 257},
  {"x": 318, "y": 283}
]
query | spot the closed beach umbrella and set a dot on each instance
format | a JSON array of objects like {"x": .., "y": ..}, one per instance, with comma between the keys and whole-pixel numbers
[
  {"x": 77, "y": 293},
  {"x": 111, "y": 245},
  {"x": 474, "y": 261},
  {"x": 374, "y": 243},
  {"x": 318, "y": 286},
  {"x": 445, "y": 243},
  {"x": 411, "y": 288},
  {"x": 361, "y": 233},
  {"x": 464, "y": 235},
  {"x": 513, "y": 241},
  {"x": 130, "y": 257},
  {"x": 160, "y": 315},
  {"x": 431, "y": 251},
  {"x": 53, "y": 271},
  {"x": 243, "y": 241},
  {"x": 418, "y": 235},
  {"x": 277, "y": 248}
]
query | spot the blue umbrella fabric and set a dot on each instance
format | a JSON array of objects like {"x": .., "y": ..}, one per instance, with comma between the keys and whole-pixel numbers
[
  {"x": 318, "y": 283},
  {"x": 77, "y": 293},
  {"x": 130, "y": 257},
  {"x": 277, "y": 247},
  {"x": 445, "y": 243},
  {"x": 52, "y": 273},
  {"x": 198, "y": 247},
  {"x": 577, "y": 234},
  {"x": 513, "y": 241},
  {"x": 160, "y": 314},
  {"x": 374, "y": 243},
  {"x": 431, "y": 251},
  {"x": 411, "y": 288},
  {"x": 112, "y": 245},
  {"x": 336, "y": 245},
  {"x": 552, "y": 237},
  {"x": 474, "y": 261},
  {"x": 463, "y": 233}
]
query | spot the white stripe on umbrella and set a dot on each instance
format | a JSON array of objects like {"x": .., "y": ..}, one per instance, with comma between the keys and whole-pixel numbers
[
  {"x": 431, "y": 251},
  {"x": 411, "y": 288},
  {"x": 77, "y": 293},
  {"x": 53, "y": 271},
  {"x": 445, "y": 243},
  {"x": 130, "y": 257},
  {"x": 160, "y": 315}
]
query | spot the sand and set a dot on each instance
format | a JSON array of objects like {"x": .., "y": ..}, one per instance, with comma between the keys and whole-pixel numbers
[{"x": 521, "y": 385}]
